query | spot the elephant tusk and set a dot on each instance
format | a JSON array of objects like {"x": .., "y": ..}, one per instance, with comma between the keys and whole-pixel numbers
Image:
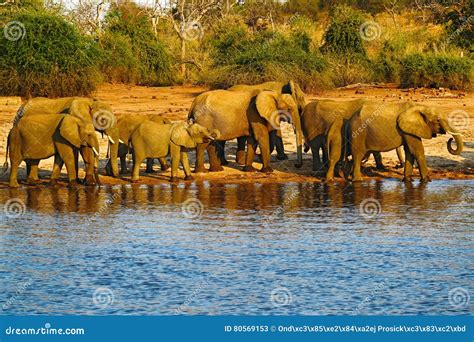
[
  {"x": 95, "y": 151},
  {"x": 111, "y": 140},
  {"x": 121, "y": 141},
  {"x": 453, "y": 133}
]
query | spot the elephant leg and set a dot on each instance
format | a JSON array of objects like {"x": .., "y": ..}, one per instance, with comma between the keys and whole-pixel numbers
[
  {"x": 137, "y": 160},
  {"x": 185, "y": 163},
  {"x": 358, "y": 153},
  {"x": 123, "y": 164},
  {"x": 251, "y": 147},
  {"x": 401, "y": 158},
  {"x": 240, "y": 155},
  {"x": 333, "y": 149},
  {"x": 409, "y": 160},
  {"x": 57, "y": 166},
  {"x": 175, "y": 152},
  {"x": 220, "y": 145},
  {"x": 163, "y": 164},
  {"x": 66, "y": 155},
  {"x": 415, "y": 146},
  {"x": 199, "y": 166},
  {"x": 88, "y": 157},
  {"x": 315, "y": 146},
  {"x": 32, "y": 177},
  {"x": 149, "y": 165},
  {"x": 15, "y": 162},
  {"x": 262, "y": 137},
  {"x": 378, "y": 161},
  {"x": 215, "y": 163},
  {"x": 276, "y": 141}
]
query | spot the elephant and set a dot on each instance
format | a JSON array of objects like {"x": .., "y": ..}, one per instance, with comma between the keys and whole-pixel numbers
[
  {"x": 42, "y": 136},
  {"x": 323, "y": 122},
  {"x": 155, "y": 140},
  {"x": 276, "y": 140},
  {"x": 127, "y": 124},
  {"x": 250, "y": 114},
  {"x": 386, "y": 126},
  {"x": 93, "y": 111}
]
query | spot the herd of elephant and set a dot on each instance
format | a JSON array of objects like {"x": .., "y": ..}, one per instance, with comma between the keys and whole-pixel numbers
[{"x": 333, "y": 130}]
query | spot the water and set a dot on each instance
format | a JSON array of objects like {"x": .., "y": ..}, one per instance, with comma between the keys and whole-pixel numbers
[{"x": 373, "y": 249}]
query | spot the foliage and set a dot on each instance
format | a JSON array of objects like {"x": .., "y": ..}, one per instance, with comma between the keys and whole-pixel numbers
[
  {"x": 435, "y": 71},
  {"x": 342, "y": 35},
  {"x": 130, "y": 38},
  {"x": 244, "y": 57},
  {"x": 51, "y": 59}
]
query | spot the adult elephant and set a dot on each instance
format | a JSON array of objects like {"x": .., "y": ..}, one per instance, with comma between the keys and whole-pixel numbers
[
  {"x": 276, "y": 140},
  {"x": 126, "y": 125},
  {"x": 250, "y": 114},
  {"x": 322, "y": 122},
  {"x": 88, "y": 110},
  {"x": 42, "y": 136},
  {"x": 386, "y": 126}
]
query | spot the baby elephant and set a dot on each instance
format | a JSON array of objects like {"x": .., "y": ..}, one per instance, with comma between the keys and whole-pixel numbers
[
  {"x": 42, "y": 136},
  {"x": 154, "y": 140}
]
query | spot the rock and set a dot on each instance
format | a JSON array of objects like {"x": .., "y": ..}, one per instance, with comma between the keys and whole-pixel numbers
[{"x": 358, "y": 91}]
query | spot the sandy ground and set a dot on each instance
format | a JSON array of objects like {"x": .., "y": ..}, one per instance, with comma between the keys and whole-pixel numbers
[{"x": 174, "y": 102}]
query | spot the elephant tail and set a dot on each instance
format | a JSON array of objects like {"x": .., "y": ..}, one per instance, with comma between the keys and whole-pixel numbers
[{"x": 5, "y": 165}]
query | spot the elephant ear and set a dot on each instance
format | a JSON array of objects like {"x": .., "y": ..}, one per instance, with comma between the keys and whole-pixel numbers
[
  {"x": 81, "y": 108},
  {"x": 181, "y": 136},
  {"x": 413, "y": 122},
  {"x": 298, "y": 95},
  {"x": 69, "y": 130},
  {"x": 266, "y": 103}
]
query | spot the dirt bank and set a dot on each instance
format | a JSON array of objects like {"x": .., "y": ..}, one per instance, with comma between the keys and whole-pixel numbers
[{"x": 174, "y": 102}]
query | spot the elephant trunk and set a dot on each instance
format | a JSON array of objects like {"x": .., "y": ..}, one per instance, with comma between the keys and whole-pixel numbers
[
  {"x": 114, "y": 142},
  {"x": 299, "y": 138},
  {"x": 457, "y": 138}
]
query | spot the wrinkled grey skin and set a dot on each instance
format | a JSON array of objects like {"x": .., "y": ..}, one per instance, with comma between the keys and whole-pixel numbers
[{"x": 385, "y": 126}]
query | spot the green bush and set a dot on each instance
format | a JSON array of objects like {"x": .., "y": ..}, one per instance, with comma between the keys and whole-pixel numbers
[
  {"x": 418, "y": 70},
  {"x": 130, "y": 35},
  {"x": 249, "y": 58},
  {"x": 343, "y": 33},
  {"x": 45, "y": 56}
]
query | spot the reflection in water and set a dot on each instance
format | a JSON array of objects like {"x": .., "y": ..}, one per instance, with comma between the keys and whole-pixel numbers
[{"x": 330, "y": 246}]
